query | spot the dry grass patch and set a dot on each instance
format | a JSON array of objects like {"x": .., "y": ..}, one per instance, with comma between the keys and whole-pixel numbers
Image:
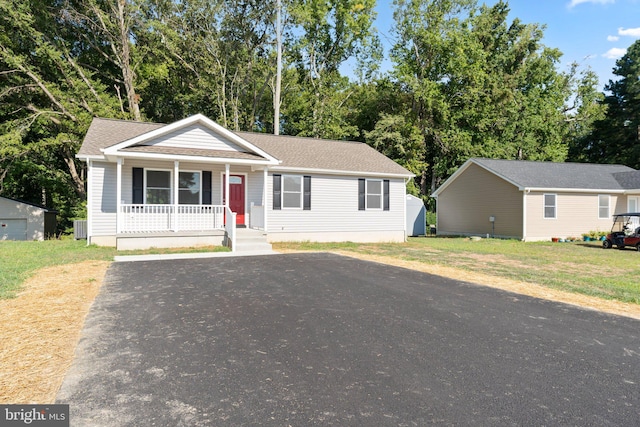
[
  {"x": 41, "y": 328},
  {"x": 523, "y": 288}
]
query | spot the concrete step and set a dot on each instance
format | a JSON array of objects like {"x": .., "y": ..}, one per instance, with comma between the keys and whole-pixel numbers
[{"x": 249, "y": 240}]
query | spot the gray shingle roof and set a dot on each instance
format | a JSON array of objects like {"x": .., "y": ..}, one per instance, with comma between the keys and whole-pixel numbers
[
  {"x": 628, "y": 180},
  {"x": 293, "y": 152},
  {"x": 528, "y": 174},
  {"x": 104, "y": 133},
  {"x": 312, "y": 153}
]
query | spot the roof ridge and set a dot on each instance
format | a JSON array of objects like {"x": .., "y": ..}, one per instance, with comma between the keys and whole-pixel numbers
[{"x": 310, "y": 138}]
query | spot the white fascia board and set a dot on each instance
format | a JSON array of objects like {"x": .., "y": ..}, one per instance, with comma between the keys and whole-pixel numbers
[
  {"x": 87, "y": 157},
  {"x": 571, "y": 190},
  {"x": 338, "y": 172},
  {"x": 185, "y": 158},
  {"x": 197, "y": 118}
]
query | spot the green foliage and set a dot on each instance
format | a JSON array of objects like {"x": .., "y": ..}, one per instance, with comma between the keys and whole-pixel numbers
[{"x": 616, "y": 136}]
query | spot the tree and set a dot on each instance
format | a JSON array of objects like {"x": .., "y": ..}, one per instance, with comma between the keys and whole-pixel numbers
[
  {"x": 616, "y": 137},
  {"x": 325, "y": 34},
  {"x": 480, "y": 86},
  {"x": 47, "y": 101}
]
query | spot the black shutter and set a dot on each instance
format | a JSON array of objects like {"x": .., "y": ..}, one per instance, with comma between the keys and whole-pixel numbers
[
  {"x": 277, "y": 191},
  {"x": 207, "y": 198},
  {"x": 385, "y": 194},
  {"x": 137, "y": 196},
  {"x": 361, "y": 194},
  {"x": 306, "y": 198}
]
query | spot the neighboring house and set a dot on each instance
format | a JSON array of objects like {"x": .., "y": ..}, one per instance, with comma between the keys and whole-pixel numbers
[
  {"x": 534, "y": 200},
  {"x": 25, "y": 221},
  {"x": 166, "y": 184}
]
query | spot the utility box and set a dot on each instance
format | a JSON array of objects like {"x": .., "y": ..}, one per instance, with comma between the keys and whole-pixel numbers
[{"x": 416, "y": 216}]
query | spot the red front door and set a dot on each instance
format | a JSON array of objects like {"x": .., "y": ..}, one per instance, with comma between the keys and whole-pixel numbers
[{"x": 236, "y": 199}]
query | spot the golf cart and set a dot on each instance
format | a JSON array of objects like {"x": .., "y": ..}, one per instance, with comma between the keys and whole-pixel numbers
[{"x": 624, "y": 232}]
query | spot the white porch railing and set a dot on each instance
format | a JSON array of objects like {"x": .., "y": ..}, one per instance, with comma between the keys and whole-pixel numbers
[
  {"x": 155, "y": 218},
  {"x": 230, "y": 228}
]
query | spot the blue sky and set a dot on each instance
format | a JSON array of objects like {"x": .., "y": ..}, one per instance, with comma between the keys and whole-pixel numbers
[{"x": 593, "y": 33}]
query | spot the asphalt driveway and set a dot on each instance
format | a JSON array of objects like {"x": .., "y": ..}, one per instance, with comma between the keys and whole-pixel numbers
[{"x": 319, "y": 339}]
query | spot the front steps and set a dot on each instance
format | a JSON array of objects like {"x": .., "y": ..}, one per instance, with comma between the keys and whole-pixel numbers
[{"x": 250, "y": 240}]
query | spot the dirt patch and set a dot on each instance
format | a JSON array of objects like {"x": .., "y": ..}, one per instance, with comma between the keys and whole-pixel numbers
[{"x": 41, "y": 328}]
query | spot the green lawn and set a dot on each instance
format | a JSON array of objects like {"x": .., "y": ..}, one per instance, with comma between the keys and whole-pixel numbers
[
  {"x": 19, "y": 260},
  {"x": 576, "y": 267},
  {"x": 581, "y": 267}
]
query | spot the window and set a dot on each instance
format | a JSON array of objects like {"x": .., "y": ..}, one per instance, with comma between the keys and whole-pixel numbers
[
  {"x": 291, "y": 192},
  {"x": 550, "y": 206},
  {"x": 155, "y": 187},
  {"x": 189, "y": 188},
  {"x": 373, "y": 194},
  {"x": 158, "y": 187},
  {"x": 603, "y": 206}
]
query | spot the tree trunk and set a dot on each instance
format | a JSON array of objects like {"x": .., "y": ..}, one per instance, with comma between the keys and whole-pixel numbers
[{"x": 128, "y": 75}]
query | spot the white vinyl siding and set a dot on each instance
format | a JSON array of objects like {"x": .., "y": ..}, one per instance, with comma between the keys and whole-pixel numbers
[
  {"x": 197, "y": 137},
  {"x": 550, "y": 206},
  {"x": 334, "y": 208},
  {"x": 103, "y": 195},
  {"x": 603, "y": 206}
]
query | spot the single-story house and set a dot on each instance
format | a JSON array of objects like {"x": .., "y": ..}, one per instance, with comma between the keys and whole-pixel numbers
[
  {"x": 168, "y": 184},
  {"x": 534, "y": 200},
  {"x": 25, "y": 221}
]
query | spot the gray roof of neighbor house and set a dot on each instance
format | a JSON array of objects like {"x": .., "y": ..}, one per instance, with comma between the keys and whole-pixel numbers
[
  {"x": 293, "y": 152},
  {"x": 529, "y": 174}
]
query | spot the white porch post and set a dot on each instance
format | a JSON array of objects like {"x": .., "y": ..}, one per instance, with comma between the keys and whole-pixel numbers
[
  {"x": 264, "y": 198},
  {"x": 226, "y": 185},
  {"x": 176, "y": 195},
  {"x": 119, "y": 196}
]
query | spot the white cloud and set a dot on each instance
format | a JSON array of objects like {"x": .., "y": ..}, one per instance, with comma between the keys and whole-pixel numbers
[
  {"x": 613, "y": 38},
  {"x": 633, "y": 32},
  {"x": 577, "y": 2},
  {"x": 615, "y": 53}
]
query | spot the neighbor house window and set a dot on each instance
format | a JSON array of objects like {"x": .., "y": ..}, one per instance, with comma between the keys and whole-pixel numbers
[
  {"x": 291, "y": 192},
  {"x": 189, "y": 188},
  {"x": 373, "y": 194},
  {"x": 603, "y": 206},
  {"x": 158, "y": 187},
  {"x": 550, "y": 206}
]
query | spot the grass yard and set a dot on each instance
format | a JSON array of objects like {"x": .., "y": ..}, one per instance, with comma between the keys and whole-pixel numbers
[
  {"x": 583, "y": 267},
  {"x": 19, "y": 260}
]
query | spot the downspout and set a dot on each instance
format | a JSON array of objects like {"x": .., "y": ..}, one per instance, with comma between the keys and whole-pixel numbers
[{"x": 404, "y": 208}]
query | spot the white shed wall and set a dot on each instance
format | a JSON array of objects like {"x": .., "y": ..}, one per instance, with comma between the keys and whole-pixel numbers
[{"x": 15, "y": 214}]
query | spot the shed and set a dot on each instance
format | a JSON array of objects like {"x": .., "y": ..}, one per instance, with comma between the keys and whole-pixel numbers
[
  {"x": 25, "y": 221},
  {"x": 416, "y": 216}
]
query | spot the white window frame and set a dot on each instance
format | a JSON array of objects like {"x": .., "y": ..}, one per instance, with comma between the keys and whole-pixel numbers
[
  {"x": 367, "y": 194},
  {"x": 183, "y": 189},
  {"x": 146, "y": 170},
  {"x": 545, "y": 206},
  {"x": 601, "y": 206},
  {"x": 283, "y": 191}
]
